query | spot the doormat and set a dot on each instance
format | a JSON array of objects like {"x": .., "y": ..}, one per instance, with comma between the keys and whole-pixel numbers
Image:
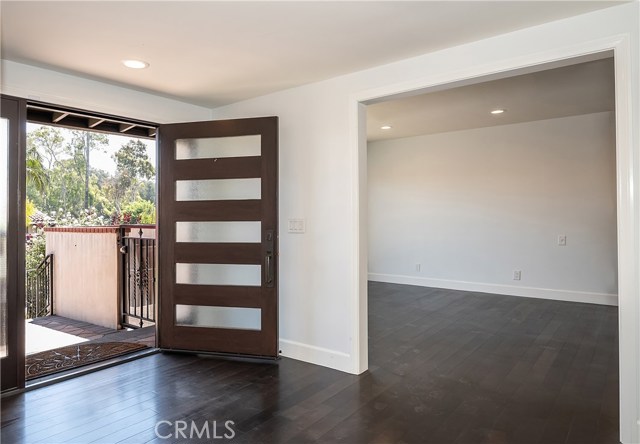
[{"x": 72, "y": 356}]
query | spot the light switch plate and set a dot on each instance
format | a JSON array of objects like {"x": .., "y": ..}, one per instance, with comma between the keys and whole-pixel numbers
[{"x": 296, "y": 226}]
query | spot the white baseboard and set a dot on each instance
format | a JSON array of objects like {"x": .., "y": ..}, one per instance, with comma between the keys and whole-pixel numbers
[
  {"x": 317, "y": 355},
  {"x": 510, "y": 290}
]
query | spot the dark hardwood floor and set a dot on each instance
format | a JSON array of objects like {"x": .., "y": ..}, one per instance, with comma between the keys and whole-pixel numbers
[{"x": 445, "y": 367}]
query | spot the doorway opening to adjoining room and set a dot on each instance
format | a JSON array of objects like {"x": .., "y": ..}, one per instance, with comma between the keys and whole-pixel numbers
[
  {"x": 623, "y": 180},
  {"x": 492, "y": 249}
]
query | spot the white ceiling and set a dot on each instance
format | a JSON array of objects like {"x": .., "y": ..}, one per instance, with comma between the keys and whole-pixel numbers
[
  {"x": 214, "y": 53},
  {"x": 561, "y": 92}
]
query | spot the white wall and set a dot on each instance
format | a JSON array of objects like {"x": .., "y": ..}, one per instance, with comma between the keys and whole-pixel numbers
[
  {"x": 473, "y": 206},
  {"x": 322, "y": 307},
  {"x": 30, "y": 82}
]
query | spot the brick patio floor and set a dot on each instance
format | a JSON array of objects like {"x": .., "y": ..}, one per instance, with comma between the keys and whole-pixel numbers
[{"x": 96, "y": 333}]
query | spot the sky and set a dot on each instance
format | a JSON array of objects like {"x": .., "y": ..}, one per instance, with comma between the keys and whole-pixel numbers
[{"x": 101, "y": 160}]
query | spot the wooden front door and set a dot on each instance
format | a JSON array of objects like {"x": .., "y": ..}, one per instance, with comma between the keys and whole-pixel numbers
[{"x": 218, "y": 238}]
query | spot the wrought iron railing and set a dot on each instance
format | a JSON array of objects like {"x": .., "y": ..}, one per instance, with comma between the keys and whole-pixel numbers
[
  {"x": 137, "y": 288},
  {"x": 40, "y": 289}
]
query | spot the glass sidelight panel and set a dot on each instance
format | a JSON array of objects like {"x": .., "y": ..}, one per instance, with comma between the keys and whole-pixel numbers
[
  {"x": 218, "y": 231},
  {"x": 219, "y": 274},
  {"x": 4, "y": 200},
  {"x": 219, "y": 317},
  {"x": 214, "y": 147},
  {"x": 218, "y": 189}
]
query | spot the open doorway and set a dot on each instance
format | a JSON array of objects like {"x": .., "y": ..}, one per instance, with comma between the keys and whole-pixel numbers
[
  {"x": 239, "y": 193},
  {"x": 90, "y": 243},
  {"x": 468, "y": 209}
]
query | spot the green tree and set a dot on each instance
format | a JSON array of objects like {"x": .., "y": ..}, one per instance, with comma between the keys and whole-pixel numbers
[
  {"x": 44, "y": 148},
  {"x": 35, "y": 251},
  {"x": 66, "y": 191},
  {"x": 148, "y": 190},
  {"x": 30, "y": 211},
  {"x": 63, "y": 185},
  {"x": 82, "y": 143},
  {"x": 36, "y": 173},
  {"x": 132, "y": 165},
  {"x": 59, "y": 174},
  {"x": 98, "y": 192},
  {"x": 49, "y": 142},
  {"x": 141, "y": 211}
]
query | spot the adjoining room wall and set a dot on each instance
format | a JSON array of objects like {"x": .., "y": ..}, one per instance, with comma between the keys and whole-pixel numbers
[{"x": 466, "y": 209}]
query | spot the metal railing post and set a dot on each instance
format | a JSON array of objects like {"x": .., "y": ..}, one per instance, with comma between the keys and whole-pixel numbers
[{"x": 39, "y": 286}]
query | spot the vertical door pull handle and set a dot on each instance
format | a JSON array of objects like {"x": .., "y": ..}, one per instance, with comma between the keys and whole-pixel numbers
[{"x": 269, "y": 269}]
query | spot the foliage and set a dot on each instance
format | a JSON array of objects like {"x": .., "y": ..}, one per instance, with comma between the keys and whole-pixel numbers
[
  {"x": 36, "y": 173},
  {"x": 86, "y": 218},
  {"x": 30, "y": 210},
  {"x": 66, "y": 189},
  {"x": 121, "y": 218},
  {"x": 132, "y": 158},
  {"x": 141, "y": 211},
  {"x": 69, "y": 187},
  {"x": 147, "y": 190},
  {"x": 82, "y": 143},
  {"x": 78, "y": 145},
  {"x": 49, "y": 142},
  {"x": 132, "y": 164},
  {"x": 35, "y": 251}
]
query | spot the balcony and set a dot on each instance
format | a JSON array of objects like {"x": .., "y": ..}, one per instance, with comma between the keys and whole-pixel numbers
[{"x": 96, "y": 286}]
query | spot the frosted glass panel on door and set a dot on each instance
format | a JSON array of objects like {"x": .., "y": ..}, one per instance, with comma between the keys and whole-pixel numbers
[
  {"x": 218, "y": 232},
  {"x": 219, "y": 274},
  {"x": 4, "y": 200},
  {"x": 214, "y": 147},
  {"x": 218, "y": 189},
  {"x": 219, "y": 317}
]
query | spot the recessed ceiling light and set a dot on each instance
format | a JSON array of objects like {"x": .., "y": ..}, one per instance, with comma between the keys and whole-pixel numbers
[
  {"x": 498, "y": 111},
  {"x": 386, "y": 127},
  {"x": 135, "y": 64}
]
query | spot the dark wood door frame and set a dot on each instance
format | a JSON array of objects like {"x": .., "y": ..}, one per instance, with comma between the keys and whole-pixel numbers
[
  {"x": 13, "y": 375},
  {"x": 20, "y": 111}
]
